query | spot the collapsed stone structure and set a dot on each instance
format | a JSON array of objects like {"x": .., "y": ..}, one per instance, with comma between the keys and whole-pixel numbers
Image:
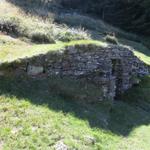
[{"x": 114, "y": 69}]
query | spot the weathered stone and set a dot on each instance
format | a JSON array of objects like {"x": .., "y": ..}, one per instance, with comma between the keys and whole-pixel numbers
[
  {"x": 110, "y": 68},
  {"x": 60, "y": 146},
  {"x": 34, "y": 70},
  {"x": 90, "y": 140}
]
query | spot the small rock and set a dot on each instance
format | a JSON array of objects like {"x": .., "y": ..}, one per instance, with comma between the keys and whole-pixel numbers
[
  {"x": 16, "y": 130},
  {"x": 60, "y": 146},
  {"x": 34, "y": 70},
  {"x": 90, "y": 140},
  {"x": 1, "y": 145}
]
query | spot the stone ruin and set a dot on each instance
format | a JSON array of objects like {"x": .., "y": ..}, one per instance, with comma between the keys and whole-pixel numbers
[{"x": 114, "y": 69}]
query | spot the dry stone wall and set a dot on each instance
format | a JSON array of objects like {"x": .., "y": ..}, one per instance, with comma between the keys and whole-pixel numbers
[{"x": 114, "y": 69}]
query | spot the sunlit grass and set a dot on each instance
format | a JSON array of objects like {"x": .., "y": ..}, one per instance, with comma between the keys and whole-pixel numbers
[
  {"x": 145, "y": 58},
  {"x": 11, "y": 52},
  {"x": 31, "y": 117},
  {"x": 141, "y": 51}
]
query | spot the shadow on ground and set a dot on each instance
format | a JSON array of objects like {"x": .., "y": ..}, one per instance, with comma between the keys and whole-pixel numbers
[{"x": 121, "y": 119}]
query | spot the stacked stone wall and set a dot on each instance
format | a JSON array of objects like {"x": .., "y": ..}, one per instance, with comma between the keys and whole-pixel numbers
[{"x": 113, "y": 69}]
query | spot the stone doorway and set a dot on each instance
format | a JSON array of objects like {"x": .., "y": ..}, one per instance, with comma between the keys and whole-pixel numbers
[{"x": 117, "y": 71}]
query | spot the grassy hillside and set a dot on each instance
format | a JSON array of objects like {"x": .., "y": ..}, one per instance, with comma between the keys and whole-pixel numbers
[
  {"x": 37, "y": 114},
  {"x": 33, "y": 116},
  {"x": 15, "y": 22},
  {"x": 32, "y": 29},
  {"x": 12, "y": 50}
]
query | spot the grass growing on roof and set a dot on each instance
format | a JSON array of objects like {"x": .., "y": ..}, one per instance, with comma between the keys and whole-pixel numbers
[
  {"x": 11, "y": 52},
  {"x": 13, "y": 49},
  {"x": 141, "y": 51}
]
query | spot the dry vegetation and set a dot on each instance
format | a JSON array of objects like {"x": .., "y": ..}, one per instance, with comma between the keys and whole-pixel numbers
[{"x": 14, "y": 21}]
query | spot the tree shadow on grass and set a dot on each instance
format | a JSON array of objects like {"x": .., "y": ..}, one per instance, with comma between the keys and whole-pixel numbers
[{"x": 121, "y": 119}]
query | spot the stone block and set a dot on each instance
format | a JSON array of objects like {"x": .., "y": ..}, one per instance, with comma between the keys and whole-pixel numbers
[{"x": 34, "y": 70}]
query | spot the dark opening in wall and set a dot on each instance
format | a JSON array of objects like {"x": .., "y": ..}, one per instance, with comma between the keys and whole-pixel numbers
[{"x": 117, "y": 72}]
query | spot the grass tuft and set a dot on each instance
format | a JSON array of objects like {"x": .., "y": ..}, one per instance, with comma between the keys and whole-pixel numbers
[{"x": 111, "y": 39}]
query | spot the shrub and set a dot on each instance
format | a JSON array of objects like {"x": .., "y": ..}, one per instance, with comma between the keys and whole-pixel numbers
[
  {"x": 40, "y": 31},
  {"x": 111, "y": 39},
  {"x": 98, "y": 25},
  {"x": 11, "y": 25},
  {"x": 69, "y": 34},
  {"x": 39, "y": 37}
]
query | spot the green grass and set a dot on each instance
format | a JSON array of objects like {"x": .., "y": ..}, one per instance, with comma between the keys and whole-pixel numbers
[
  {"x": 28, "y": 26},
  {"x": 97, "y": 27},
  {"x": 142, "y": 99},
  {"x": 13, "y": 51},
  {"x": 140, "y": 50},
  {"x": 16, "y": 22},
  {"x": 37, "y": 113},
  {"x": 34, "y": 117}
]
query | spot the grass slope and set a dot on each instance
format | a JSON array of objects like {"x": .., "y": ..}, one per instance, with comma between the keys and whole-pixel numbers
[
  {"x": 140, "y": 50},
  {"x": 33, "y": 117},
  {"x": 36, "y": 114},
  {"x": 14, "y": 50}
]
